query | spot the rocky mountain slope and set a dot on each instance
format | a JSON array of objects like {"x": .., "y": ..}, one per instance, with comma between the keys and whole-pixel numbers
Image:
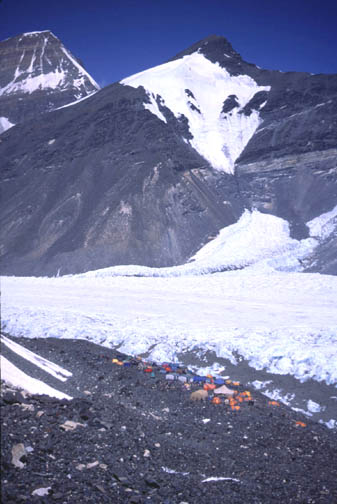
[
  {"x": 147, "y": 170},
  {"x": 132, "y": 435},
  {"x": 38, "y": 74}
]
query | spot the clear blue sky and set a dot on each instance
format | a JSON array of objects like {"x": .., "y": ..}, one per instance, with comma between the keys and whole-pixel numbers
[{"x": 116, "y": 38}]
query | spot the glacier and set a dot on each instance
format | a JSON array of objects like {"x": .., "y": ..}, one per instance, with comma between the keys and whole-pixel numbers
[
  {"x": 196, "y": 88},
  {"x": 267, "y": 311}
]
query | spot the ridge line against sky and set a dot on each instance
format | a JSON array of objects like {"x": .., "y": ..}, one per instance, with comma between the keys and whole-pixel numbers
[{"x": 116, "y": 38}]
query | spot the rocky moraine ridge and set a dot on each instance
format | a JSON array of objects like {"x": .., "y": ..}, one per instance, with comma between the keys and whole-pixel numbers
[
  {"x": 122, "y": 176},
  {"x": 131, "y": 434}
]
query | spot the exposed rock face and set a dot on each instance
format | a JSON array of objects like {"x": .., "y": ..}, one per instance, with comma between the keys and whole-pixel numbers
[
  {"x": 295, "y": 187},
  {"x": 38, "y": 74},
  {"x": 107, "y": 183},
  {"x": 324, "y": 259},
  {"x": 117, "y": 179}
]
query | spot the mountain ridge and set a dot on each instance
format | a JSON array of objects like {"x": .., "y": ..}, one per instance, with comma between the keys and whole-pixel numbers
[{"x": 122, "y": 178}]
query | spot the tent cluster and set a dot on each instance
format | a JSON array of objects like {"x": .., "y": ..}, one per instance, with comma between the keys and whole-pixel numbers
[{"x": 214, "y": 389}]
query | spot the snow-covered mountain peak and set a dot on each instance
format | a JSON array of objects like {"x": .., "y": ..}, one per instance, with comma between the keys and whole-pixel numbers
[
  {"x": 41, "y": 62},
  {"x": 37, "y": 33},
  {"x": 38, "y": 74},
  {"x": 215, "y": 103}
]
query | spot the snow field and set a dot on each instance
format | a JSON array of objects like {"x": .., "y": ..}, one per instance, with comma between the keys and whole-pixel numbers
[
  {"x": 285, "y": 322},
  {"x": 13, "y": 375},
  {"x": 51, "y": 368},
  {"x": 196, "y": 88}
]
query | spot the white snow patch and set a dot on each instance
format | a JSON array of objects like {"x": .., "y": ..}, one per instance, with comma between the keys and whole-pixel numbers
[
  {"x": 258, "y": 240},
  {"x": 314, "y": 407},
  {"x": 41, "y": 492},
  {"x": 79, "y": 67},
  {"x": 304, "y": 412},
  {"x": 51, "y": 80},
  {"x": 286, "y": 398},
  {"x": 51, "y": 368},
  {"x": 29, "y": 34},
  {"x": 331, "y": 424},
  {"x": 219, "y": 478},
  {"x": 32, "y": 61},
  {"x": 275, "y": 394},
  {"x": 17, "y": 70},
  {"x": 258, "y": 385},
  {"x": 5, "y": 124},
  {"x": 76, "y": 101},
  {"x": 218, "y": 137},
  {"x": 324, "y": 225},
  {"x": 153, "y": 107},
  {"x": 172, "y": 471},
  {"x": 13, "y": 375},
  {"x": 278, "y": 395}
]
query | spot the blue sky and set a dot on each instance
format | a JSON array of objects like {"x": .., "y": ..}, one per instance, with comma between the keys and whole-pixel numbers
[{"x": 116, "y": 38}]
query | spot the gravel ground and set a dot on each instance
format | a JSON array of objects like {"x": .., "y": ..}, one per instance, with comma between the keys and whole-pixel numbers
[{"x": 142, "y": 439}]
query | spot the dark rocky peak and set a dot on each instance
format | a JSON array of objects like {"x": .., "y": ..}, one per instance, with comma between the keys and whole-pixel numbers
[
  {"x": 230, "y": 103},
  {"x": 38, "y": 74},
  {"x": 218, "y": 50},
  {"x": 215, "y": 48}
]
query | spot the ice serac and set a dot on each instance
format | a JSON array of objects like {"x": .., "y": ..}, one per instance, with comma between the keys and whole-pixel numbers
[
  {"x": 38, "y": 74},
  {"x": 148, "y": 171}
]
